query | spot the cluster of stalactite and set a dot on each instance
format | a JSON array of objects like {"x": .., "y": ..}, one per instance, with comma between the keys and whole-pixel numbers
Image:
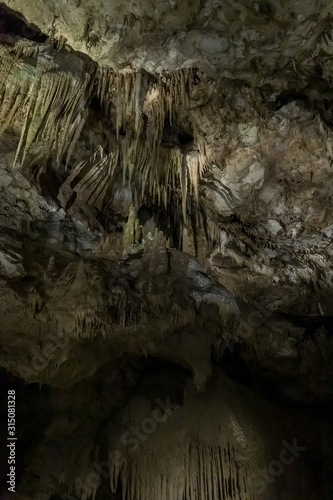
[
  {"x": 47, "y": 94},
  {"x": 137, "y": 108},
  {"x": 51, "y": 90},
  {"x": 197, "y": 472},
  {"x": 201, "y": 472}
]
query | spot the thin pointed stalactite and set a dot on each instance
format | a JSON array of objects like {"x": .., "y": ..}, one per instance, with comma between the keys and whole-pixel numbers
[
  {"x": 56, "y": 102},
  {"x": 199, "y": 472},
  {"x": 55, "y": 91}
]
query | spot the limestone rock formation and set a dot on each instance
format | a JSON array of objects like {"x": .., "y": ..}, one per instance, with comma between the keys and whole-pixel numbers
[{"x": 166, "y": 244}]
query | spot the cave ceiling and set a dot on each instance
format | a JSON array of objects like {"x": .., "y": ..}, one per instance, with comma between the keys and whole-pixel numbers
[{"x": 166, "y": 174}]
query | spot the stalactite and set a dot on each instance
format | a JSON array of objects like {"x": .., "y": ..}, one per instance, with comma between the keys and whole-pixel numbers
[
  {"x": 183, "y": 181},
  {"x": 7, "y": 62},
  {"x": 88, "y": 325},
  {"x": 75, "y": 105},
  {"x": 55, "y": 104},
  {"x": 75, "y": 132},
  {"x": 26, "y": 132},
  {"x": 84, "y": 490},
  {"x": 197, "y": 473},
  {"x": 161, "y": 101},
  {"x": 12, "y": 97},
  {"x": 57, "y": 88},
  {"x": 24, "y": 49}
]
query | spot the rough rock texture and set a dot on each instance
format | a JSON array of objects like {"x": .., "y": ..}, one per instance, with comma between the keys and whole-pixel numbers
[{"x": 166, "y": 208}]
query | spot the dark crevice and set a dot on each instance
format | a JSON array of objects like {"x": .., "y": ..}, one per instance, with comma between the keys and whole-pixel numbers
[
  {"x": 174, "y": 136},
  {"x": 50, "y": 181},
  {"x": 14, "y": 24},
  {"x": 266, "y": 8}
]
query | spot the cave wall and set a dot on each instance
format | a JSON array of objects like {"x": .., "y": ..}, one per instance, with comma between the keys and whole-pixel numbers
[{"x": 166, "y": 234}]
